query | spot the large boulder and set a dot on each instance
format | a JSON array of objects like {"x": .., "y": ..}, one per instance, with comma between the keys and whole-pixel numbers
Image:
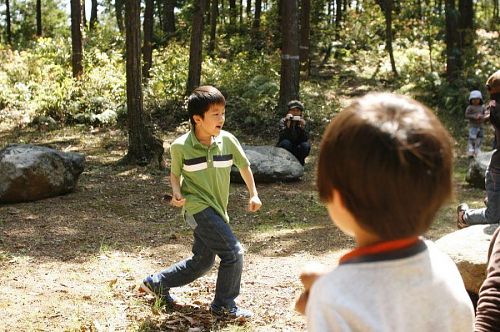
[
  {"x": 468, "y": 248},
  {"x": 477, "y": 169},
  {"x": 29, "y": 172},
  {"x": 270, "y": 164}
]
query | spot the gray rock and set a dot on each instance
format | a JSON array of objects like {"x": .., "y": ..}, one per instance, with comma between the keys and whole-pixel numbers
[
  {"x": 477, "y": 169},
  {"x": 29, "y": 172},
  {"x": 468, "y": 248},
  {"x": 270, "y": 164}
]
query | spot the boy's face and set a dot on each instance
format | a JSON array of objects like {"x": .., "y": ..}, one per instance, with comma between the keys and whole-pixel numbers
[
  {"x": 212, "y": 121},
  {"x": 476, "y": 101},
  {"x": 295, "y": 112}
]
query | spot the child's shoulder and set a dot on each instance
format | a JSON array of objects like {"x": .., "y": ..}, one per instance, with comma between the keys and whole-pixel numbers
[{"x": 181, "y": 140}]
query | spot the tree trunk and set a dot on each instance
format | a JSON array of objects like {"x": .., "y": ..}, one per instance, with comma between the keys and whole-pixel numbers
[
  {"x": 147, "y": 48},
  {"x": 256, "y": 35},
  {"x": 38, "y": 18},
  {"x": 305, "y": 28},
  {"x": 232, "y": 14},
  {"x": 84, "y": 14},
  {"x": 195, "y": 50},
  {"x": 249, "y": 9},
  {"x": 93, "y": 15},
  {"x": 453, "y": 56},
  {"x": 169, "y": 17},
  {"x": 142, "y": 145},
  {"x": 338, "y": 18},
  {"x": 76, "y": 39},
  {"x": 119, "y": 14},
  {"x": 386, "y": 7},
  {"x": 214, "y": 6},
  {"x": 495, "y": 14},
  {"x": 467, "y": 33},
  {"x": 289, "y": 82},
  {"x": 7, "y": 17}
]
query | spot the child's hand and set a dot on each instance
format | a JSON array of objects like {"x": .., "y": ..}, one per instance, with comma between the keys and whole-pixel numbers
[
  {"x": 178, "y": 200},
  {"x": 254, "y": 203},
  {"x": 309, "y": 274}
]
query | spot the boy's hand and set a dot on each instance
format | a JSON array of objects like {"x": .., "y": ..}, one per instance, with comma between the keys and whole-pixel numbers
[
  {"x": 254, "y": 203},
  {"x": 178, "y": 200},
  {"x": 309, "y": 275}
]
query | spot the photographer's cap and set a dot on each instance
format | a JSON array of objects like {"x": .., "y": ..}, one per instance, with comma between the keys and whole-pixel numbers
[
  {"x": 493, "y": 82},
  {"x": 295, "y": 104}
]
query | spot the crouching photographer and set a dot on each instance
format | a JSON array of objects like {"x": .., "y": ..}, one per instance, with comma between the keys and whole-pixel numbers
[{"x": 293, "y": 134}]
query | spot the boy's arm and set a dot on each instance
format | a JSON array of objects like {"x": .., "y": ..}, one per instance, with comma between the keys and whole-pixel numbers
[
  {"x": 254, "y": 202},
  {"x": 177, "y": 199}
]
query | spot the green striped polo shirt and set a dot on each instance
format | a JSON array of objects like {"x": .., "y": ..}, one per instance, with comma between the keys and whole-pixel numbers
[{"x": 205, "y": 170}]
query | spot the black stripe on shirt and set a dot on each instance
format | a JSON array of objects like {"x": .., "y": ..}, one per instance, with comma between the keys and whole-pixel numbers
[
  {"x": 195, "y": 161},
  {"x": 225, "y": 157}
]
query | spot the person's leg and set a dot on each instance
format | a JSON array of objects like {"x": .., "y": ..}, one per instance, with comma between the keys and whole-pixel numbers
[
  {"x": 218, "y": 236},
  {"x": 185, "y": 271},
  {"x": 490, "y": 214},
  {"x": 286, "y": 144},
  {"x": 479, "y": 139},
  {"x": 471, "y": 141},
  {"x": 303, "y": 150}
]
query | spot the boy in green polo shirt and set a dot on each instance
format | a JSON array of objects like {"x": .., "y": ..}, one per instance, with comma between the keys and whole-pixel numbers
[{"x": 200, "y": 176}]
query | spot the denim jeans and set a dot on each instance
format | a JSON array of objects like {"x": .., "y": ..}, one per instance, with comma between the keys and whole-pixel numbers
[
  {"x": 300, "y": 151},
  {"x": 212, "y": 236},
  {"x": 474, "y": 141},
  {"x": 490, "y": 214}
]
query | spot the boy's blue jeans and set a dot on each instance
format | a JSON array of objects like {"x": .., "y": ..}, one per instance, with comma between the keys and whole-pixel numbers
[
  {"x": 212, "y": 236},
  {"x": 490, "y": 214}
]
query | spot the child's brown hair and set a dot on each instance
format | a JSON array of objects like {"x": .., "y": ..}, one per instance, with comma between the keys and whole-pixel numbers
[{"x": 390, "y": 158}]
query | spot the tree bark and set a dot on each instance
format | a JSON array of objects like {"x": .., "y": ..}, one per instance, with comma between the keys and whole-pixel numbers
[
  {"x": 214, "y": 9},
  {"x": 93, "y": 15},
  {"x": 305, "y": 28},
  {"x": 169, "y": 17},
  {"x": 38, "y": 18},
  {"x": 76, "y": 39},
  {"x": 289, "y": 82},
  {"x": 232, "y": 13},
  {"x": 453, "y": 56},
  {"x": 142, "y": 145},
  {"x": 7, "y": 18},
  {"x": 84, "y": 14},
  {"x": 467, "y": 33},
  {"x": 386, "y": 6},
  {"x": 195, "y": 50},
  {"x": 147, "y": 48},
  {"x": 119, "y": 14},
  {"x": 249, "y": 9}
]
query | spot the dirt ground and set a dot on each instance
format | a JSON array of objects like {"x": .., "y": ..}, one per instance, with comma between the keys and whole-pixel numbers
[{"x": 73, "y": 263}]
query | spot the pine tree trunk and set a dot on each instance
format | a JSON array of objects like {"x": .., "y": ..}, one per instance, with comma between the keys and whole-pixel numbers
[
  {"x": 169, "y": 17},
  {"x": 84, "y": 14},
  {"x": 7, "y": 17},
  {"x": 305, "y": 27},
  {"x": 119, "y": 14},
  {"x": 143, "y": 147},
  {"x": 38, "y": 18},
  {"x": 214, "y": 6},
  {"x": 93, "y": 15},
  {"x": 289, "y": 82},
  {"x": 147, "y": 48},
  {"x": 76, "y": 39},
  {"x": 195, "y": 50},
  {"x": 467, "y": 33},
  {"x": 453, "y": 56}
]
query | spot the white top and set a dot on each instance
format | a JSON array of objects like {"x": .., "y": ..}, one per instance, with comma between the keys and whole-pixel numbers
[{"x": 423, "y": 292}]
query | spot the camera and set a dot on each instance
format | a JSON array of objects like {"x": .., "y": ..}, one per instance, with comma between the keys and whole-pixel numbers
[{"x": 296, "y": 118}]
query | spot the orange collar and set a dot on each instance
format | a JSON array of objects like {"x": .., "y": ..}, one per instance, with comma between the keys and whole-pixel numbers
[{"x": 380, "y": 247}]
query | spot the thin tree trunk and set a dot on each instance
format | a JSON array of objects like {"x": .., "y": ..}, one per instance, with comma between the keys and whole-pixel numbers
[
  {"x": 305, "y": 27},
  {"x": 84, "y": 14},
  {"x": 386, "y": 6},
  {"x": 9, "y": 28},
  {"x": 289, "y": 81},
  {"x": 453, "y": 56},
  {"x": 76, "y": 39},
  {"x": 195, "y": 50},
  {"x": 249, "y": 9},
  {"x": 143, "y": 146},
  {"x": 119, "y": 15},
  {"x": 232, "y": 13},
  {"x": 467, "y": 33},
  {"x": 214, "y": 8},
  {"x": 93, "y": 15},
  {"x": 169, "y": 17},
  {"x": 147, "y": 48},
  {"x": 38, "y": 18}
]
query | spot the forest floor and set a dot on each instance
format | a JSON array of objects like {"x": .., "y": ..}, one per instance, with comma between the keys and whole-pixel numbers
[{"x": 73, "y": 262}]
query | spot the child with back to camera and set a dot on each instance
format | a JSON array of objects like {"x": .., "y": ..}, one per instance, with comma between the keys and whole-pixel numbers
[
  {"x": 385, "y": 168},
  {"x": 203, "y": 158},
  {"x": 476, "y": 115}
]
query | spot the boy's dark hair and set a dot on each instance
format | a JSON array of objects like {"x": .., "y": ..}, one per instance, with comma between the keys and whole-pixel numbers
[
  {"x": 200, "y": 100},
  {"x": 390, "y": 158}
]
